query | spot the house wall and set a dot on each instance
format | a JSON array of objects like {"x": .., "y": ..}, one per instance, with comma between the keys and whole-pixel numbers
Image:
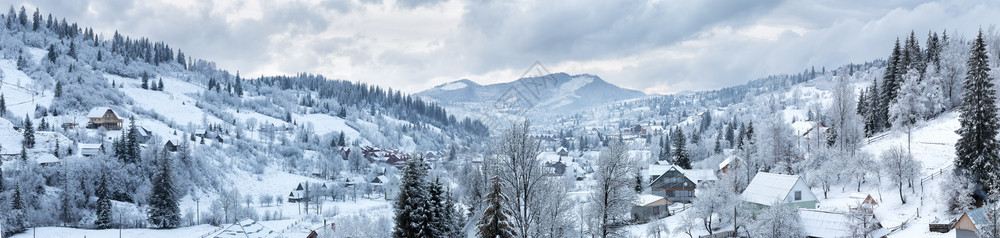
[
  {"x": 963, "y": 233},
  {"x": 807, "y": 194},
  {"x": 641, "y": 213},
  {"x": 965, "y": 223}
]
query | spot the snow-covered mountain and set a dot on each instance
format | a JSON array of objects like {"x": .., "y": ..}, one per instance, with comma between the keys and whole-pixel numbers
[{"x": 553, "y": 93}]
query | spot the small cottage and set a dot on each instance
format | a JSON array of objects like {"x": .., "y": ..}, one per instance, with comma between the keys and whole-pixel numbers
[
  {"x": 831, "y": 224},
  {"x": 767, "y": 188},
  {"x": 298, "y": 194},
  {"x": 170, "y": 145},
  {"x": 677, "y": 184},
  {"x": 47, "y": 159},
  {"x": 970, "y": 222}
]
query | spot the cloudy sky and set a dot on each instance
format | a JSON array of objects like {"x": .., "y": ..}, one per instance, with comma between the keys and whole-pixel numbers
[{"x": 656, "y": 46}]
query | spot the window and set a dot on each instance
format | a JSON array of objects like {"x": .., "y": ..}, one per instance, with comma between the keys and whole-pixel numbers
[{"x": 798, "y": 195}]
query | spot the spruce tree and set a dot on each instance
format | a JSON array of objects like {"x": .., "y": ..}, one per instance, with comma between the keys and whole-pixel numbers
[
  {"x": 58, "y": 92},
  {"x": 3, "y": 106},
  {"x": 132, "y": 147},
  {"x": 52, "y": 53},
  {"x": 440, "y": 223},
  {"x": 412, "y": 203},
  {"x": 681, "y": 156},
  {"x": 890, "y": 85},
  {"x": 163, "y": 208},
  {"x": 872, "y": 122},
  {"x": 103, "y": 204},
  {"x": 160, "y": 86},
  {"x": 145, "y": 80},
  {"x": 495, "y": 221},
  {"x": 17, "y": 217},
  {"x": 29, "y": 133},
  {"x": 977, "y": 146}
]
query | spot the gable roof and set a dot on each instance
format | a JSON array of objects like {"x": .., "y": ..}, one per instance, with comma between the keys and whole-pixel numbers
[
  {"x": 766, "y": 188},
  {"x": 829, "y": 224},
  {"x": 99, "y": 112},
  {"x": 47, "y": 158},
  {"x": 978, "y": 217},
  {"x": 89, "y": 146},
  {"x": 246, "y": 228},
  {"x": 647, "y": 199},
  {"x": 695, "y": 175}
]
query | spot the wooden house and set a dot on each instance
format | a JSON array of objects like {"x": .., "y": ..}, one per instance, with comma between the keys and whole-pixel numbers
[
  {"x": 650, "y": 207},
  {"x": 970, "y": 222},
  {"x": 298, "y": 194},
  {"x": 47, "y": 159},
  {"x": 170, "y": 145},
  {"x": 562, "y": 151},
  {"x": 677, "y": 184},
  {"x": 103, "y": 117},
  {"x": 766, "y": 189}
]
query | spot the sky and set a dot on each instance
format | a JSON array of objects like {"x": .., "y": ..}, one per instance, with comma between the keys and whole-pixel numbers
[{"x": 655, "y": 46}]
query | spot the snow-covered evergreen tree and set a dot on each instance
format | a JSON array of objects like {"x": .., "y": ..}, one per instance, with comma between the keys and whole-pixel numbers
[
  {"x": 29, "y": 133},
  {"x": 495, "y": 221},
  {"x": 413, "y": 214},
  {"x": 977, "y": 146},
  {"x": 103, "y": 204},
  {"x": 163, "y": 206},
  {"x": 681, "y": 155}
]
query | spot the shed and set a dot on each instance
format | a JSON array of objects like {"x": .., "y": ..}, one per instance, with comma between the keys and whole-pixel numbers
[
  {"x": 649, "y": 207},
  {"x": 830, "y": 224},
  {"x": 47, "y": 159},
  {"x": 90, "y": 149},
  {"x": 969, "y": 223}
]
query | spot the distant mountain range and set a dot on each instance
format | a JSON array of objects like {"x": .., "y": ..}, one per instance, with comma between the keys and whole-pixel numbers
[{"x": 553, "y": 93}]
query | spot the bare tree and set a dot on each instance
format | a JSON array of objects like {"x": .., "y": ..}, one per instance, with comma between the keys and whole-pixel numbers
[
  {"x": 521, "y": 174},
  {"x": 901, "y": 167},
  {"x": 613, "y": 194}
]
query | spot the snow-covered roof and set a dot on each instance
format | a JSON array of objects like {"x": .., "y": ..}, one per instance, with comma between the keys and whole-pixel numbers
[
  {"x": 47, "y": 158},
  {"x": 246, "y": 229},
  {"x": 767, "y": 188},
  {"x": 978, "y": 217},
  {"x": 99, "y": 111},
  {"x": 726, "y": 162},
  {"x": 694, "y": 175},
  {"x": 646, "y": 199},
  {"x": 829, "y": 224},
  {"x": 89, "y": 146}
]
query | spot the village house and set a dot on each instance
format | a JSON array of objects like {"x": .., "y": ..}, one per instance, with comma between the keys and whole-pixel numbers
[
  {"x": 970, "y": 222},
  {"x": 103, "y": 117},
  {"x": 677, "y": 184},
  {"x": 170, "y": 145},
  {"x": 650, "y": 207},
  {"x": 562, "y": 151},
  {"x": 142, "y": 135},
  {"x": 298, "y": 194},
  {"x": 767, "y": 188},
  {"x": 90, "y": 149},
  {"x": 47, "y": 159},
  {"x": 555, "y": 169}
]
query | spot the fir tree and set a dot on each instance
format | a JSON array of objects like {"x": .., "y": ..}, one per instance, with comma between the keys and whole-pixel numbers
[
  {"x": 72, "y": 49},
  {"x": 145, "y": 80},
  {"x": 873, "y": 123},
  {"x": 412, "y": 203},
  {"x": 890, "y": 85},
  {"x": 495, "y": 221},
  {"x": 163, "y": 209},
  {"x": 681, "y": 156},
  {"x": 3, "y": 106},
  {"x": 103, "y": 204},
  {"x": 56, "y": 151},
  {"x": 52, "y": 53},
  {"x": 29, "y": 133},
  {"x": 159, "y": 87},
  {"x": 440, "y": 222},
  {"x": 58, "y": 92},
  {"x": 342, "y": 113},
  {"x": 341, "y": 141},
  {"x": 17, "y": 217},
  {"x": 24, "y": 154},
  {"x": 977, "y": 146}
]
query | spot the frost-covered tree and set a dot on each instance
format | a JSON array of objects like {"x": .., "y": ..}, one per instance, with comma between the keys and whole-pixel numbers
[
  {"x": 957, "y": 190},
  {"x": 862, "y": 221},
  {"x": 977, "y": 146},
  {"x": 17, "y": 217},
  {"x": 900, "y": 167},
  {"x": 890, "y": 84},
  {"x": 612, "y": 195},
  {"x": 163, "y": 207},
  {"x": 145, "y": 80},
  {"x": 779, "y": 221},
  {"x": 908, "y": 108},
  {"x": 520, "y": 171},
  {"x": 712, "y": 205},
  {"x": 843, "y": 117}
]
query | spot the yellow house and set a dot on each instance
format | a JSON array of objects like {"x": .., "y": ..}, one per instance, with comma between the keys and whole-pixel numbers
[{"x": 104, "y": 117}]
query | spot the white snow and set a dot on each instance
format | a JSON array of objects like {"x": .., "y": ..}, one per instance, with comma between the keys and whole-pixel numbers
[{"x": 453, "y": 86}]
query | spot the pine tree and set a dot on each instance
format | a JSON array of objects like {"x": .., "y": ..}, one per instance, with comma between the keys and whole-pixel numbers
[
  {"x": 52, "y": 53},
  {"x": 29, "y": 133},
  {"x": 56, "y": 151},
  {"x": 890, "y": 85},
  {"x": 132, "y": 143},
  {"x": 681, "y": 156},
  {"x": 160, "y": 86},
  {"x": 72, "y": 49},
  {"x": 17, "y": 217},
  {"x": 442, "y": 219},
  {"x": 103, "y": 204},
  {"x": 341, "y": 141},
  {"x": 342, "y": 113},
  {"x": 977, "y": 146},
  {"x": 412, "y": 203},
  {"x": 58, "y": 92},
  {"x": 145, "y": 80},
  {"x": 495, "y": 221},
  {"x": 163, "y": 209},
  {"x": 3, "y": 106},
  {"x": 873, "y": 123}
]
